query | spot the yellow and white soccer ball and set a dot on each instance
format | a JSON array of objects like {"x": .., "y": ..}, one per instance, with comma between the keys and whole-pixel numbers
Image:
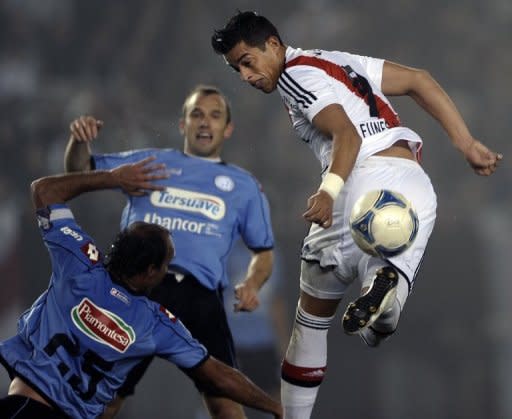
[{"x": 383, "y": 223}]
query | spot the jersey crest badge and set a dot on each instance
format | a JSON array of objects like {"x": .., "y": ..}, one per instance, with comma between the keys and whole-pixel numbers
[
  {"x": 224, "y": 183},
  {"x": 92, "y": 252},
  {"x": 171, "y": 316},
  {"x": 102, "y": 326}
]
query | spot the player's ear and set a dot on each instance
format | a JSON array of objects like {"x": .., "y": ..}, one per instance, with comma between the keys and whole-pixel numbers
[
  {"x": 151, "y": 272},
  {"x": 272, "y": 42},
  {"x": 182, "y": 126},
  {"x": 228, "y": 131}
]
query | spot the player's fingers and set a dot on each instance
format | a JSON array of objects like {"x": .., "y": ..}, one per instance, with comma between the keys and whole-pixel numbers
[
  {"x": 160, "y": 167},
  {"x": 158, "y": 176},
  {"x": 152, "y": 186},
  {"x": 486, "y": 171},
  {"x": 79, "y": 130},
  {"x": 312, "y": 211},
  {"x": 145, "y": 161},
  {"x": 326, "y": 223},
  {"x": 136, "y": 192},
  {"x": 94, "y": 128},
  {"x": 87, "y": 122},
  {"x": 73, "y": 127}
]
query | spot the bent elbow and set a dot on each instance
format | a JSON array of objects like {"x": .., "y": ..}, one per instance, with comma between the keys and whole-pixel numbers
[
  {"x": 40, "y": 190},
  {"x": 421, "y": 79}
]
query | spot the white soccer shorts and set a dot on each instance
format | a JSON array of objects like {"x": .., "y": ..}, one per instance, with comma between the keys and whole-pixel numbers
[{"x": 334, "y": 247}]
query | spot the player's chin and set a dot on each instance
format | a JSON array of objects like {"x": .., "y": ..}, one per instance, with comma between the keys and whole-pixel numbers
[{"x": 267, "y": 90}]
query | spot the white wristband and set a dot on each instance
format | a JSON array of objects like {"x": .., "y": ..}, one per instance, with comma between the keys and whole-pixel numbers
[{"x": 332, "y": 184}]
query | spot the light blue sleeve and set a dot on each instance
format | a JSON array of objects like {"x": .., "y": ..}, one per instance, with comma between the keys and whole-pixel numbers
[
  {"x": 175, "y": 343},
  {"x": 112, "y": 160},
  {"x": 256, "y": 227},
  {"x": 71, "y": 249}
]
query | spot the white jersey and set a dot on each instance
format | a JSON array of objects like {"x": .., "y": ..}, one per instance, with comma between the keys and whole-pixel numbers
[{"x": 315, "y": 79}]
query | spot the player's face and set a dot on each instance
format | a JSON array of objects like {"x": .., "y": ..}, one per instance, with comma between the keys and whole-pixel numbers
[
  {"x": 261, "y": 68},
  {"x": 205, "y": 125}
]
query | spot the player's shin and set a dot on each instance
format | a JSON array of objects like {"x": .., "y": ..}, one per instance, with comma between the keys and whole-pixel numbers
[{"x": 304, "y": 365}]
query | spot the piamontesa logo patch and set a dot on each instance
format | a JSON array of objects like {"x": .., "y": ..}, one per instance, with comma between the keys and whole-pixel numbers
[
  {"x": 210, "y": 206},
  {"x": 102, "y": 325}
]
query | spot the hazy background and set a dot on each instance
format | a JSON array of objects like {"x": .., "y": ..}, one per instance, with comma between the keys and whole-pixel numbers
[{"x": 131, "y": 64}]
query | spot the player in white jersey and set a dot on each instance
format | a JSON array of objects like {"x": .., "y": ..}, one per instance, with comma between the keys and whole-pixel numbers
[{"x": 337, "y": 104}]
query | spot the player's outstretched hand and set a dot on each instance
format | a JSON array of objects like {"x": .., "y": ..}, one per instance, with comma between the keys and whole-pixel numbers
[
  {"x": 137, "y": 178},
  {"x": 85, "y": 128},
  {"x": 483, "y": 161},
  {"x": 247, "y": 296},
  {"x": 319, "y": 209}
]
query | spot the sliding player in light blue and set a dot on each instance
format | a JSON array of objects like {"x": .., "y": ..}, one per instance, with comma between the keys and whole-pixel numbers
[{"x": 94, "y": 323}]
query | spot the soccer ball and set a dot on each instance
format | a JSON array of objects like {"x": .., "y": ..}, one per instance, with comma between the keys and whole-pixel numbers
[{"x": 383, "y": 223}]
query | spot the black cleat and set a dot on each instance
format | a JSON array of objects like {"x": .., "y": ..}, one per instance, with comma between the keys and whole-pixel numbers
[{"x": 368, "y": 307}]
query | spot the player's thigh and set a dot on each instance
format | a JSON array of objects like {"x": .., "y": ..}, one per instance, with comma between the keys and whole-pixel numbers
[
  {"x": 321, "y": 289},
  {"x": 408, "y": 178}
]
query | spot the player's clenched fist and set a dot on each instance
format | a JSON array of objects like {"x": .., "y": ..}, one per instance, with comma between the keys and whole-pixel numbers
[{"x": 85, "y": 128}]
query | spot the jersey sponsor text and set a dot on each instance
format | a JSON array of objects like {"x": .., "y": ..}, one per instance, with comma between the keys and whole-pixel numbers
[
  {"x": 102, "y": 325},
  {"x": 176, "y": 223},
  {"x": 210, "y": 206}
]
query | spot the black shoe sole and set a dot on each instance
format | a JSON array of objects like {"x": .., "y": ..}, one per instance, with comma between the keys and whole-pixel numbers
[{"x": 366, "y": 309}]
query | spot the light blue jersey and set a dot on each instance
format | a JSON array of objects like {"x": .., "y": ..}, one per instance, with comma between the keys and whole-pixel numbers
[
  {"x": 206, "y": 205},
  {"x": 82, "y": 336}
]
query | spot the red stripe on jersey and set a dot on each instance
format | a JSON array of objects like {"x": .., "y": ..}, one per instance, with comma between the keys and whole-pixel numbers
[
  {"x": 302, "y": 374},
  {"x": 339, "y": 74}
]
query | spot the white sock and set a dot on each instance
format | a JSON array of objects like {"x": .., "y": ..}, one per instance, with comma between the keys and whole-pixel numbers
[{"x": 304, "y": 365}]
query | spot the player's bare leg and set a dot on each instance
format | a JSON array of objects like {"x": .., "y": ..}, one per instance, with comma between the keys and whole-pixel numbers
[
  {"x": 305, "y": 362},
  {"x": 222, "y": 408}
]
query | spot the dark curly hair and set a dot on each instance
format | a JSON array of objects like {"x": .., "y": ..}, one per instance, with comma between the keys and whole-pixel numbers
[
  {"x": 249, "y": 27},
  {"x": 136, "y": 248}
]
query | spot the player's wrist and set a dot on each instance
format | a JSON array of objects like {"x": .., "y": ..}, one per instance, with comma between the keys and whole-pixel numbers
[{"x": 332, "y": 184}]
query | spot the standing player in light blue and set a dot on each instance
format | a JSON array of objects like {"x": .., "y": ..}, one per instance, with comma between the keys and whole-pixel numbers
[
  {"x": 207, "y": 205},
  {"x": 77, "y": 343}
]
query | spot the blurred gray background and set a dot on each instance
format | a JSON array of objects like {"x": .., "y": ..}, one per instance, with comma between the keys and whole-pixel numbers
[{"x": 131, "y": 64}]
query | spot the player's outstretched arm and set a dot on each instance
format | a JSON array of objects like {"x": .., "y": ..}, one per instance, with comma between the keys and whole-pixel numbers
[
  {"x": 400, "y": 80},
  {"x": 258, "y": 271},
  {"x": 224, "y": 381},
  {"x": 83, "y": 130},
  {"x": 134, "y": 178}
]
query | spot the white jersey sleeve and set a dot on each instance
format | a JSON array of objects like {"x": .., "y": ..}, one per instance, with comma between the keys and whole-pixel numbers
[
  {"x": 310, "y": 88},
  {"x": 372, "y": 66}
]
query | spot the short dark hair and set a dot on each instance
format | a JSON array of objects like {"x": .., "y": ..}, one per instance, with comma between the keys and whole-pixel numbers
[
  {"x": 248, "y": 27},
  {"x": 136, "y": 248},
  {"x": 207, "y": 90}
]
